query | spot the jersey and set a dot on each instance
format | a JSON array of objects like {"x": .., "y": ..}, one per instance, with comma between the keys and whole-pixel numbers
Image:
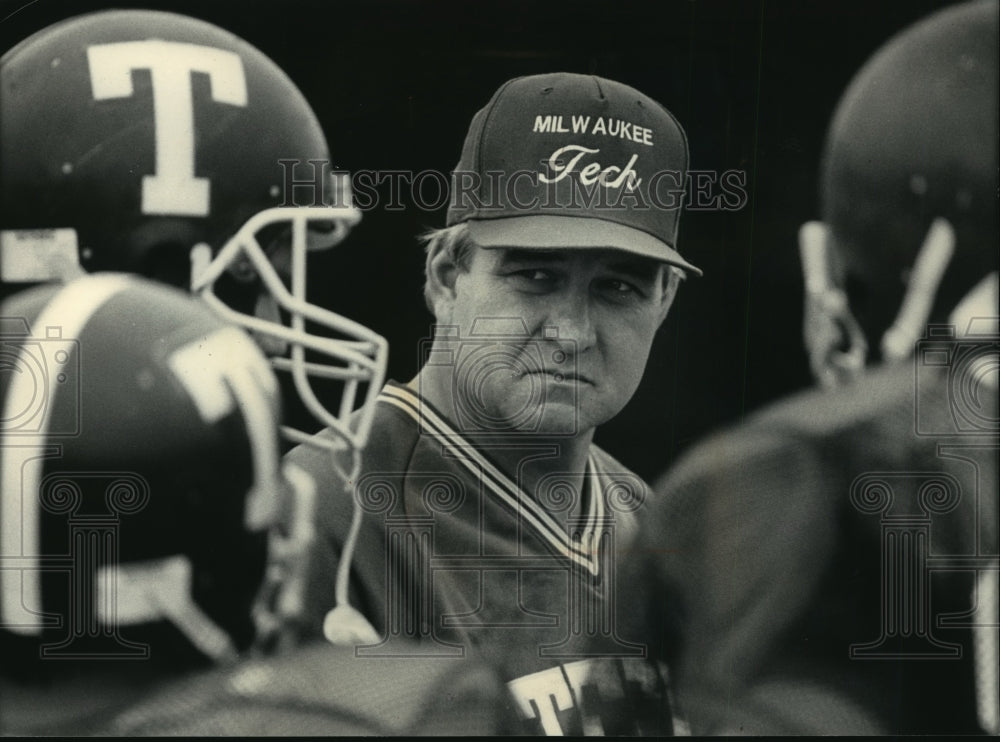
[
  {"x": 830, "y": 565},
  {"x": 453, "y": 553}
]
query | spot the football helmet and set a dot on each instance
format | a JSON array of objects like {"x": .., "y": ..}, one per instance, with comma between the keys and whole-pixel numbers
[
  {"x": 141, "y": 472},
  {"x": 908, "y": 189},
  {"x": 158, "y": 144}
]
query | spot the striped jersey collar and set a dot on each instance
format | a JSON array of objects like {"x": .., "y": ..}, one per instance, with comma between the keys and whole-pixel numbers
[{"x": 582, "y": 550}]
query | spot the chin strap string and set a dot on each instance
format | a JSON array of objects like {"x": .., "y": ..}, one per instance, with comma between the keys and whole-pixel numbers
[{"x": 345, "y": 625}]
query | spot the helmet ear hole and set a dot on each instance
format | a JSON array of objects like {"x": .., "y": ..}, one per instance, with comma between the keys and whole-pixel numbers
[
  {"x": 159, "y": 249},
  {"x": 168, "y": 263},
  {"x": 238, "y": 294}
]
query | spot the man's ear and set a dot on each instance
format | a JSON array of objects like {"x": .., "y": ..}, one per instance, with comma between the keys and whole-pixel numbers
[
  {"x": 439, "y": 290},
  {"x": 671, "y": 282}
]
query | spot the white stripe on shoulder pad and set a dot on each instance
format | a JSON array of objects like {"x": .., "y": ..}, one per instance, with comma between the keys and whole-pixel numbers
[{"x": 63, "y": 319}]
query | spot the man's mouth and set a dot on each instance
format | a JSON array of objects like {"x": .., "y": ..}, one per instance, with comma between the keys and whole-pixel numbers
[{"x": 560, "y": 376}]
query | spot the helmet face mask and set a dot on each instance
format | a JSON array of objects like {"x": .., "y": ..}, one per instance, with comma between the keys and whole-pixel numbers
[
  {"x": 158, "y": 144},
  {"x": 348, "y": 354}
]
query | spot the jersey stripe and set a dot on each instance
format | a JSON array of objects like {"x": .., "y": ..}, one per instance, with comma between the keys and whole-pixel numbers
[
  {"x": 595, "y": 512},
  {"x": 505, "y": 489}
]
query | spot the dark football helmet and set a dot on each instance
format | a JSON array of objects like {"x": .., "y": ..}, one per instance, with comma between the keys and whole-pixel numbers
[
  {"x": 157, "y": 144},
  {"x": 908, "y": 193},
  {"x": 141, "y": 473}
]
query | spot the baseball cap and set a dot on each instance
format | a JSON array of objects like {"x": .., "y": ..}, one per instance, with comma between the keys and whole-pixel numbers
[{"x": 565, "y": 160}]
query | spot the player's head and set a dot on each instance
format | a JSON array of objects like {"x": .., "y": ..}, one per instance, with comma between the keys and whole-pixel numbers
[
  {"x": 908, "y": 187},
  {"x": 158, "y": 144},
  {"x": 579, "y": 179},
  {"x": 141, "y": 476}
]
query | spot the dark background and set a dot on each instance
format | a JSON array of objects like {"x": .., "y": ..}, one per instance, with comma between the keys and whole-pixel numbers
[{"x": 395, "y": 84}]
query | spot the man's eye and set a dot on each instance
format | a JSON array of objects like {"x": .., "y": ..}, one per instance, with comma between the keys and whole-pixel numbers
[
  {"x": 620, "y": 288},
  {"x": 535, "y": 276}
]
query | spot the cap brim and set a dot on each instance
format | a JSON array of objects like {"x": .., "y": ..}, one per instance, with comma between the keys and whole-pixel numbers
[{"x": 547, "y": 231}]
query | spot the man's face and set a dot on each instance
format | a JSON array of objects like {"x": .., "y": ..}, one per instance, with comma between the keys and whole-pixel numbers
[{"x": 551, "y": 341}]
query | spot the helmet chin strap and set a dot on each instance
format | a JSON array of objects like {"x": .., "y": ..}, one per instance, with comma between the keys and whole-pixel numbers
[
  {"x": 918, "y": 302},
  {"x": 266, "y": 309},
  {"x": 201, "y": 258}
]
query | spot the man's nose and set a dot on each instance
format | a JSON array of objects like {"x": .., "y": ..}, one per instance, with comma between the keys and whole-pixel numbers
[{"x": 571, "y": 314}]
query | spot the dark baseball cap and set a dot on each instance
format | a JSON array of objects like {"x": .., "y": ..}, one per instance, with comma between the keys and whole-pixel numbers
[{"x": 574, "y": 161}]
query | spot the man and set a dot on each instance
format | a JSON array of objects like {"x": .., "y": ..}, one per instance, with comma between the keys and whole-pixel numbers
[
  {"x": 484, "y": 521},
  {"x": 158, "y": 144},
  {"x": 142, "y": 499},
  {"x": 830, "y": 566}
]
